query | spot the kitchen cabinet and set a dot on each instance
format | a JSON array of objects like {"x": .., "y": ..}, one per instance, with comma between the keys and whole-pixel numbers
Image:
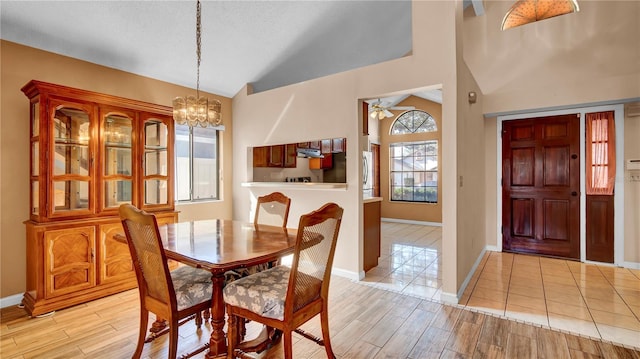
[
  {"x": 275, "y": 156},
  {"x": 321, "y": 163},
  {"x": 290, "y": 155},
  {"x": 90, "y": 152},
  {"x": 315, "y": 144},
  {"x": 338, "y": 145},
  {"x": 261, "y": 156},
  {"x": 325, "y": 146},
  {"x": 371, "y": 226}
]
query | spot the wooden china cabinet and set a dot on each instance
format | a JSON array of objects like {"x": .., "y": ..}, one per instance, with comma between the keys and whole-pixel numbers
[{"x": 90, "y": 152}]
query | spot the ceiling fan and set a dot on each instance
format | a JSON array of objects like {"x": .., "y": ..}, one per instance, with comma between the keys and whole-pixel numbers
[{"x": 380, "y": 110}]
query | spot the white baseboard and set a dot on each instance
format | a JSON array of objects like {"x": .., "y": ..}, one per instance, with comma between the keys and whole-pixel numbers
[
  {"x": 408, "y": 221},
  {"x": 463, "y": 287},
  {"x": 10, "y": 300},
  {"x": 347, "y": 274},
  {"x": 450, "y": 298},
  {"x": 632, "y": 265}
]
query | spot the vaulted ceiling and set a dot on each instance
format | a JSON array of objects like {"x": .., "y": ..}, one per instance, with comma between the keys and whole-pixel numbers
[{"x": 265, "y": 43}]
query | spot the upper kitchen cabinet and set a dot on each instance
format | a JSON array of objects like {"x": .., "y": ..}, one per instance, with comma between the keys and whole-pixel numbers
[
  {"x": 333, "y": 145},
  {"x": 290, "y": 155},
  {"x": 338, "y": 145},
  {"x": 261, "y": 156},
  {"x": 275, "y": 156},
  {"x": 325, "y": 146}
]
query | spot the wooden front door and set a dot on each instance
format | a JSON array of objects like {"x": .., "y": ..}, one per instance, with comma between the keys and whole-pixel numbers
[{"x": 541, "y": 184}]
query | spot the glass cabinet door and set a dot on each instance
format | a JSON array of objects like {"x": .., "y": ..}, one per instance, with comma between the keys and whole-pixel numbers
[
  {"x": 157, "y": 161},
  {"x": 71, "y": 160},
  {"x": 35, "y": 158},
  {"x": 117, "y": 171}
]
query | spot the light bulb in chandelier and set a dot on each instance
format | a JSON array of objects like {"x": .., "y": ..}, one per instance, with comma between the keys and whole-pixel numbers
[{"x": 193, "y": 112}]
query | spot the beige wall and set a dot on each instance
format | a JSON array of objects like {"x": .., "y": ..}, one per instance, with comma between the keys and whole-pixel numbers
[
  {"x": 585, "y": 57},
  {"x": 470, "y": 179},
  {"x": 21, "y": 64},
  {"x": 631, "y": 191},
  {"x": 288, "y": 112},
  {"x": 426, "y": 212}
]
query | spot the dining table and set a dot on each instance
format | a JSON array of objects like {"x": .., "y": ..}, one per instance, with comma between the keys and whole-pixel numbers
[{"x": 219, "y": 246}]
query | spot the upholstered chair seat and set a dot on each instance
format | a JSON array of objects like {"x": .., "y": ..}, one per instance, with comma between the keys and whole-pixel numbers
[{"x": 192, "y": 285}]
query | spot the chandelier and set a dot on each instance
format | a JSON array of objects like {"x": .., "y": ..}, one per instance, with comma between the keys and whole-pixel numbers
[
  {"x": 526, "y": 11},
  {"x": 197, "y": 111}
]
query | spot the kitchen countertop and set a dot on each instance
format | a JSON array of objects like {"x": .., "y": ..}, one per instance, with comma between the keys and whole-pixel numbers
[
  {"x": 297, "y": 185},
  {"x": 371, "y": 199}
]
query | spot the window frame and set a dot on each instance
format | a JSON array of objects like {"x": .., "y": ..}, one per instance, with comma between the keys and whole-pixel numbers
[
  {"x": 424, "y": 173},
  {"x": 191, "y": 145},
  {"x": 430, "y": 122}
]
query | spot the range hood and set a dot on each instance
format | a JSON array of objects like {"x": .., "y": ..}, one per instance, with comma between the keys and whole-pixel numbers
[{"x": 309, "y": 153}]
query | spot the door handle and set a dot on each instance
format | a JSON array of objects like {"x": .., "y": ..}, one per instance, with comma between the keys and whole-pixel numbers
[{"x": 574, "y": 193}]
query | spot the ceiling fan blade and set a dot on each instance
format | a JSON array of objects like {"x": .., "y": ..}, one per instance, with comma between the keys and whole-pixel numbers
[{"x": 387, "y": 113}]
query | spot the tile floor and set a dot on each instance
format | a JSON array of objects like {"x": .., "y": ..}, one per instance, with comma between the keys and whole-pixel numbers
[{"x": 596, "y": 301}]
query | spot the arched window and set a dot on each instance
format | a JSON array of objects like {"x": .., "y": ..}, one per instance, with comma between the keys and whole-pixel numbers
[
  {"x": 414, "y": 165},
  {"x": 414, "y": 121}
]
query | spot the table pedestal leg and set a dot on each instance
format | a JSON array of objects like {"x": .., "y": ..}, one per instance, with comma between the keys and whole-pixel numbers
[{"x": 218, "y": 341}]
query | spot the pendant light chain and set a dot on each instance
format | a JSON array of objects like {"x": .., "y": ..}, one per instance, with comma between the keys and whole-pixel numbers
[{"x": 197, "y": 111}]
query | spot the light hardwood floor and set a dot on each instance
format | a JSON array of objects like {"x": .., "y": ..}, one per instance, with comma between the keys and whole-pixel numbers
[{"x": 376, "y": 318}]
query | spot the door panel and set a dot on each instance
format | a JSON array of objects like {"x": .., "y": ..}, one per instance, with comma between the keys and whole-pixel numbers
[
  {"x": 541, "y": 180},
  {"x": 69, "y": 260},
  {"x": 600, "y": 214}
]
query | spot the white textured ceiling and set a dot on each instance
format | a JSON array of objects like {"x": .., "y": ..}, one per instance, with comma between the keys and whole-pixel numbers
[{"x": 265, "y": 43}]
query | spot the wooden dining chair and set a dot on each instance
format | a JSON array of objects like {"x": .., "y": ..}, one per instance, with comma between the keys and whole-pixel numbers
[
  {"x": 272, "y": 209},
  {"x": 176, "y": 296},
  {"x": 285, "y": 297}
]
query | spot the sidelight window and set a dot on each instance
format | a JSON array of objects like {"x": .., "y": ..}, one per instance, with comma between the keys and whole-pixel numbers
[{"x": 601, "y": 154}]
